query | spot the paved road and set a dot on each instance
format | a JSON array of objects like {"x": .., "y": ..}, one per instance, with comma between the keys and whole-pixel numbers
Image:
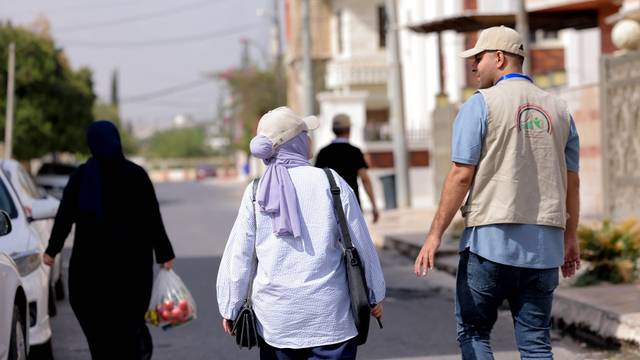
[{"x": 418, "y": 322}]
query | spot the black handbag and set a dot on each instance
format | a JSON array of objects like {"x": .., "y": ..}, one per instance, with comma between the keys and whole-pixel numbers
[
  {"x": 358, "y": 289},
  {"x": 244, "y": 327}
]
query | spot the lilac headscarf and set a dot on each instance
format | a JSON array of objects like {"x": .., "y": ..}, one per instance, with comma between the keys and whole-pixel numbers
[{"x": 276, "y": 194}]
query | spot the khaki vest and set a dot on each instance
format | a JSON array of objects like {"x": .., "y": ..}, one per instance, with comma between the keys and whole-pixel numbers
[{"x": 522, "y": 175}]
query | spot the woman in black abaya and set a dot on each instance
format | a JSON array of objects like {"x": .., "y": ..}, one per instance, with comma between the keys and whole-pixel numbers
[{"x": 118, "y": 228}]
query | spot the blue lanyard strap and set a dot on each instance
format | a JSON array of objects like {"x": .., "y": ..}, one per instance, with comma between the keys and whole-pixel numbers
[{"x": 513, "y": 75}]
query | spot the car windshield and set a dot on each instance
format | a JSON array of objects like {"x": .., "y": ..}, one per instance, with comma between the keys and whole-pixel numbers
[
  {"x": 6, "y": 203},
  {"x": 56, "y": 169}
]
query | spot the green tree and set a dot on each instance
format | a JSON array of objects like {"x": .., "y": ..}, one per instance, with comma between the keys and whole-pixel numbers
[
  {"x": 115, "y": 99},
  {"x": 254, "y": 93},
  {"x": 53, "y": 103},
  {"x": 178, "y": 143}
]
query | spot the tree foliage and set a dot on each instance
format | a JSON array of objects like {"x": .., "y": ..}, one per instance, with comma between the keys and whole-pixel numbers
[
  {"x": 254, "y": 93},
  {"x": 178, "y": 143},
  {"x": 53, "y": 103}
]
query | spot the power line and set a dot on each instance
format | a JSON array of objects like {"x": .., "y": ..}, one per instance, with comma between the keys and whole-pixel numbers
[
  {"x": 139, "y": 17},
  {"x": 82, "y": 6},
  {"x": 165, "y": 91},
  {"x": 177, "y": 103},
  {"x": 165, "y": 41}
]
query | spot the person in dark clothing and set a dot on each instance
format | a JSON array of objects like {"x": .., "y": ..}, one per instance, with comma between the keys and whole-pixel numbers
[
  {"x": 118, "y": 227},
  {"x": 347, "y": 160}
]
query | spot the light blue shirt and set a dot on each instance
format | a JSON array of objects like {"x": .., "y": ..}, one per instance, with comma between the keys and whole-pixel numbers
[
  {"x": 522, "y": 245},
  {"x": 300, "y": 294}
]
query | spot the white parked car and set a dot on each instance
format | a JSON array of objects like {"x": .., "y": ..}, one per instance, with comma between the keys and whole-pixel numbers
[
  {"x": 25, "y": 247},
  {"x": 53, "y": 177},
  {"x": 14, "y": 313},
  {"x": 28, "y": 192}
]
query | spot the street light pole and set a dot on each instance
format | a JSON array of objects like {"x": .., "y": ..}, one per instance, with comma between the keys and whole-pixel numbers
[
  {"x": 307, "y": 66},
  {"x": 396, "y": 96},
  {"x": 278, "y": 66},
  {"x": 8, "y": 126}
]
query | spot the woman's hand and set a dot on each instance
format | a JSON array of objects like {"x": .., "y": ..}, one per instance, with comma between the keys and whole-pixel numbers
[
  {"x": 227, "y": 325},
  {"x": 47, "y": 259},
  {"x": 376, "y": 311},
  {"x": 167, "y": 265}
]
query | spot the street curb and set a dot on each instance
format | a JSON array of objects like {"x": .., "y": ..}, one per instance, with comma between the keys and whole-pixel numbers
[
  {"x": 602, "y": 326},
  {"x": 609, "y": 326}
]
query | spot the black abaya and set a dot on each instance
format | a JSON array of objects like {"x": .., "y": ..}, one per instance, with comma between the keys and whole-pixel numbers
[{"x": 111, "y": 265}]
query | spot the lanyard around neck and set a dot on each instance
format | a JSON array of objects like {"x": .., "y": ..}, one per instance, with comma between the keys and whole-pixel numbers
[{"x": 513, "y": 75}]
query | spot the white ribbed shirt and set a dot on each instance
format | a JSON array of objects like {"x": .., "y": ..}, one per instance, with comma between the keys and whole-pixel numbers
[{"x": 300, "y": 294}]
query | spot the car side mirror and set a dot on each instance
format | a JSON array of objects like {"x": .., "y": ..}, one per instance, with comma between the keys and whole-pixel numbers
[
  {"x": 42, "y": 209},
  {"x": 5, "y": 223}
]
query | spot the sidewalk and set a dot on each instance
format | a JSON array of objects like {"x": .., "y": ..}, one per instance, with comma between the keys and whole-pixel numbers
[{"x": 611, "y": 312}]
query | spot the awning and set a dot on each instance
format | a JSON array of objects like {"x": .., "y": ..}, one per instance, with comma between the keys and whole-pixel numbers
[{"x": 538, "y": 20}]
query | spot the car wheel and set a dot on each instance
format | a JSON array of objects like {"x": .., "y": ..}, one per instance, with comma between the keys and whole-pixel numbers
[
  {"x": 53, "y": 310},
  {"x": 59, "y": 289},
  {"x": 18, "y": 343},
  {"x": 41, "y": 352}
]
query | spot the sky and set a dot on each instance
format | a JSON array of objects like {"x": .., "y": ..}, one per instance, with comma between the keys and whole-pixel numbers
[{"x": 154, "y": 45}]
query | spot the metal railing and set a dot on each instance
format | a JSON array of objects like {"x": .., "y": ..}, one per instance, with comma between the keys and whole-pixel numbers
[{"x": 366, "y": 71}]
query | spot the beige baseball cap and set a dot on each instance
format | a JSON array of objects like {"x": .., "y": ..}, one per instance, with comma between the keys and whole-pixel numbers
[
  {"x": 282, "y": 124},
  {"x": 497, "y": 38},
  {"x": 341, "y": 121}
]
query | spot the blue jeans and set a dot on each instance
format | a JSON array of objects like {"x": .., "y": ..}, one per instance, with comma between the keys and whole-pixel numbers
[
  {"x": 345, "y": 350},
  {"x": 482, "y": 285}
]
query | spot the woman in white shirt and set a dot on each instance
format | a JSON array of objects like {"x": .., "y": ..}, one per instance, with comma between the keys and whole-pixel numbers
[{"x": 300, "y": 294}]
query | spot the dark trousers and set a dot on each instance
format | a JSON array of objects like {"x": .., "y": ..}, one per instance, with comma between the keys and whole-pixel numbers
[
  {"x": 482, "y": 286},
  {"x": 345, "y": 350}
]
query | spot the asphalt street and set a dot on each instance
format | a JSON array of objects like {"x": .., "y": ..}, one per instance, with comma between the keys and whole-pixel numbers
[{"x": 418, "y": 319}]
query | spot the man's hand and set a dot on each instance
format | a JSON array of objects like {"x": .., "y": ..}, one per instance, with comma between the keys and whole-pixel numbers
[
  {"x": 426, "y": 259},
  {"x": 571, "y": 256},
  {"x": 167, "y": 265},
  {"x": 376, "y": 215},
  {"x": 47, "y": 259},
  {"x": 227, "y": 325}
]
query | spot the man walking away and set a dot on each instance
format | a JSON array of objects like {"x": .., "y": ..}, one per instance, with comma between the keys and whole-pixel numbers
[
  {"x": 515, "y": 150},
  {"x": 347, "y": 160}
]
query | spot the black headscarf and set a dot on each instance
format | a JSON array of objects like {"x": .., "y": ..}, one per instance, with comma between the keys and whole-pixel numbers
[{"x": 106, "y": 150}]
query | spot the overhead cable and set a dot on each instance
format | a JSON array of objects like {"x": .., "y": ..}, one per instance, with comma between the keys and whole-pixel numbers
[
  {"x": 165, "y": 91},
  {"x": 139, "y": 17},
  {"x": 164, "y": 41}
]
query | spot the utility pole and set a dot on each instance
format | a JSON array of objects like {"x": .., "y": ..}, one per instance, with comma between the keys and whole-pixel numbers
[
  {"x": 307, "y": 65},
  {"x": 277, "y": 50},
  {"x": 522, "y": 26},
  {"x": 8, "y": 124},
  {"x": 396, "y": 97}
]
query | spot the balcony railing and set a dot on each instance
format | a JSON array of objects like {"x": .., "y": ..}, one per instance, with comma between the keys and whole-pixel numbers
[{"x": 366, "y": 71}]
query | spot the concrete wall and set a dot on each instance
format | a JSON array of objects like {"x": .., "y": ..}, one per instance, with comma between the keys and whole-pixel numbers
[{"x": 584, "y": 104}]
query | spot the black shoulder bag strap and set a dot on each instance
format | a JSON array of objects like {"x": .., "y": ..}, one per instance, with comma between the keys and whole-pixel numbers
[
  {"x": 358, "y": 289},
  {"x": 244, "y": 326}
]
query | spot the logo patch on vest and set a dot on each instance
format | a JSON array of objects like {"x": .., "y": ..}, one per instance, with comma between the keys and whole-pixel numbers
[{"x": 533, "y": 118}]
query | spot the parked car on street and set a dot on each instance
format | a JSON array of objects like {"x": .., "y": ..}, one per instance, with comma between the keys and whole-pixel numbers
[
  {"x": 28, "y": 192},
  {"x": 25, "y": 247},
  {"x": 204, "y": 171},
  {"x": 53, "y": 177},
  {"x": 14, "y": 314}
]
